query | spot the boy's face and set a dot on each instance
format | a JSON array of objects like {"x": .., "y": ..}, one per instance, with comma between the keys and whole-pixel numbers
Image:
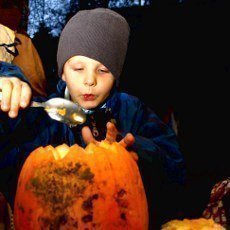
[{"x": 89, "y": 82}]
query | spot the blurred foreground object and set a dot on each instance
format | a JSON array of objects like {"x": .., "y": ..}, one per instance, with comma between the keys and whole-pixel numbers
[
  {"x": 18, "y": 48},
  {"x": 193, "y": 224},
  {"x": 218, "y": 207},
  {"x": 7, "y": 48}
]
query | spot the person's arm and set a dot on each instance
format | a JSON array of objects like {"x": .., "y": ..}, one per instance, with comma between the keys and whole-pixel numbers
[
  {"x": 155, "y": 143},
  {"x": 154, "y": 140},
  {"x": 15, "y": 94}
]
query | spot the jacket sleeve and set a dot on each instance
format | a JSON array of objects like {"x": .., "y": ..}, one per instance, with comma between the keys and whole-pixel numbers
[
  {"x": 155, "y": 143},
  {"x": 11, "y": 70},
  {"x": 8, "y": 148}
]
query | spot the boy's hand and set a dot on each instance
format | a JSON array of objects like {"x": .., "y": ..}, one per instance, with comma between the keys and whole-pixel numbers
[
  {"x": 15, "y": 94},
  {"x": 111, "y": 136}
]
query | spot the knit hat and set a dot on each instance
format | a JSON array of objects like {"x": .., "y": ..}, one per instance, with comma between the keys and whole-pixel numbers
[{"x": 100, "y": 34}]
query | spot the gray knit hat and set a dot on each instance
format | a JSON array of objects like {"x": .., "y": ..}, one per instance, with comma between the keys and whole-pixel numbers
[{"x": 101, "y": 34}]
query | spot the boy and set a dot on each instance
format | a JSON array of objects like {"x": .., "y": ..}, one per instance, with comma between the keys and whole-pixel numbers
[{"x": 91, "y": 54}]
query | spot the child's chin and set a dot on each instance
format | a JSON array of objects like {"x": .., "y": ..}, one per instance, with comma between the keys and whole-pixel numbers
[{"x": 89, "y": 105}]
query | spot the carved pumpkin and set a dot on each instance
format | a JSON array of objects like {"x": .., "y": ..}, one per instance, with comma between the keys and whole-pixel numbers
[{"x": 98, "y": 187}]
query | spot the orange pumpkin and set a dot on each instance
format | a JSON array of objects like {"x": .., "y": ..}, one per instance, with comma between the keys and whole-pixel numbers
[{"x": 98, "y": 187}]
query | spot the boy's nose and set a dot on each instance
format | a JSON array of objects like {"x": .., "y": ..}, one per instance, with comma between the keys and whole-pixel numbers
[{"x": 90, "y": 80}]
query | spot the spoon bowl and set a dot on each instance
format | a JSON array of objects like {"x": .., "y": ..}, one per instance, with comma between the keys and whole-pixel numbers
[{"x": 62, "y": 110}]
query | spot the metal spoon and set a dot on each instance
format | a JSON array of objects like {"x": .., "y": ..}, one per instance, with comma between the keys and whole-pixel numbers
[{"x": 62, "y": 110}]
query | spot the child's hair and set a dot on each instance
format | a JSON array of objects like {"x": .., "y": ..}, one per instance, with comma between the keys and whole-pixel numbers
[{"x": 101, "y": 34}]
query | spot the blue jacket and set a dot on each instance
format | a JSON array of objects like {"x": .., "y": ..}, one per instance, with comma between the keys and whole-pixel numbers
[{"x": 160, "y": 159}]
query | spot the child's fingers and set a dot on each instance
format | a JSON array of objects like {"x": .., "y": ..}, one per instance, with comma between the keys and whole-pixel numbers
[
  {"x": 111, "y": 133},
  {"x": 26, "y": 95},
  {"x": 127, "y": 141},
  {"x": 134, "y": 155},
  {"x": 15, "y": 99},
  {"x": 6, "y": 88},
  {"x": 87, "y": 135},
  {"x": 14, "y": 94}
]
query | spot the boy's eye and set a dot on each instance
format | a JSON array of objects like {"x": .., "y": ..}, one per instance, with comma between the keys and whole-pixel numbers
[
  {"x": 77, "y": 69},
  {"x": 103, "y": 70}
]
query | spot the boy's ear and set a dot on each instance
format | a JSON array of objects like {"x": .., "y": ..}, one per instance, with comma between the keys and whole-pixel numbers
[{"x": 63, "y": 77}]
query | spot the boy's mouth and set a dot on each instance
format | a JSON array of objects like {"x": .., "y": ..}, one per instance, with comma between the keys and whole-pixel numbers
[{"x": 89, "y": 97}]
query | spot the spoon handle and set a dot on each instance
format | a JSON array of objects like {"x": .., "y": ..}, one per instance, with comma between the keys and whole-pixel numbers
[{"x": 37, "y": 104}]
